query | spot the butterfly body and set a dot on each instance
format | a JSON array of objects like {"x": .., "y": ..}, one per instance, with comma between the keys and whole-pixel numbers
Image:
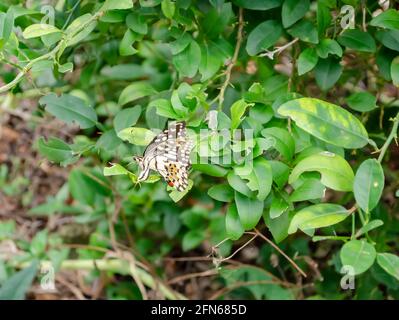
[{"x": 169, "y": 155}]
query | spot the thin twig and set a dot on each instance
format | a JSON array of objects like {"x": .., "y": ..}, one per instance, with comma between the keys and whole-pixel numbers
[
  {"x": 392, "y": 135},
  {"x": 278, "y": 50},
  {"x": 233, "y": 61},
  {"x": 281, "y": 252}
]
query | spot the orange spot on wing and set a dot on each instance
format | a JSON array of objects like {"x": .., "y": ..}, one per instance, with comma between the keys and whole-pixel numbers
[{"x": 170, "y": 183}]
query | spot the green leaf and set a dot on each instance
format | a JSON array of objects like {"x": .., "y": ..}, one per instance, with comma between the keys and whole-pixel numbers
[
  {"x": 327, "y": 72},
  {"x": 357, "y": 40},
  {"x": 181, "y": 43},
  {"x": 335, "y": 172},
  {"x": 136, "y": 91},
  {"x": 307, "y": 60},
  {"x": 168, "y": 8},
  {"x": 238, "y": 184},
  {"x": 390, "y": 263},
  {"x": 263, "y": 36},
  {"x": 389, "y": 39},
  {"x": 38, "y": 243},
  {"x": 358, "y": 254},
  {"x": 126, "y": 118},
  {"x": 137, "y": 136},
  {"x": 117, "y": 4},
  {"x": 87, "y": 185},
  {"x": 210, "y": 169},
  {"x": 66, "y": 67},
  {"x": 278, "y": 226},
  {"x": 395, "y": 71},
  {"x": 362, "y": 101},
  {"x": 264, "y": 176},
  {"x": 258, "y": 4},
  {"x": 373, "y": 224},
  {"x": 326, "y": 121},
  {"x": 310, "y": 189},
  {"x": 249, "y": 210},
  {"x": 38, "y": 30},
  {"x": 221, "y": 192},
  {"x": 211, "y": 61},
  {"x": 327, "y": 47},
  {"x": 237, "y": 111},
  {"x": 176, "y": 196},
  {"x": 318, "y": 216},
  {"x": 126, "y": 45},
  {"x": 293, "y": 11},
  {"x": 18, "y": 285},
  {"x": 305, "y": 31},
  {"x": 323, "y": 16},
  {"x": 193, "y": 239},
  {"x": 136, "y": 22},
  {"x": 283, "y": 141},
  {"x": 387, "y": 19},
  {"x": 234, "y": 228},
  {"x": 108, "y": 141},
  {"x": 6, "y": 25},
  {"x": 188, "y": 60},
  {"x": 55, "y": 150},
  {"x": 368, "y": 184},
  {"x": 115, "y": 169},
  {"x": 278, "y": 206},
  {"x": 69, "y": 109}
]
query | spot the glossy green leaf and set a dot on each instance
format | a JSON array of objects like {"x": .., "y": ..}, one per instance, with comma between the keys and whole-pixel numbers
[
  {"x": 193, "y": 239},
  {"x": 137, "y": 136},
  {"x": 115, "y": 170},
  {"x": 249, "y": 210},
  {"x": 327, "y": 47},
  {"x": 117, "y": 4},
  {"x": 368, "y": 184},
  {"x": 221, "y": 192},
  {"x": 38, "y": 30},
  {"x": 210, "y": 169},
  {"x": 307, "y": 60},
  {"x": 234, "y": 228},
  {"x": 126, "y": 45},
  {"x": 387, "y": 19},
  {"x": 237, "y": 111},
  {"x": 278, "y": 226},
  {"x": 278, "y": 206},
  {"x": 283, "y": 141},
  {"x": 55, "y": 149},
  {"x": 69, "y": 109},
  {"x": 326, "y": 121},
  {"x": 188, "y": 60},
  {"x": 327, "y": 72},
  {"x": 373, "y": 224},
  {"x": 305, "y": 31},
  {"x": 357, "y": 40},
  {"x": 264, "y": 176},
  {"x": 293, "y": 10},
  {"x": 318, "y": 216},
  {"x": 362, "y": 101},
  {"x": 389, "y": 38},
  {"x": 263, "y": 36},
  {"x": 136, "y": 91},
  {"x": 335, "y": 172},
  {"x": 239, "y": 184},
  {"x": 390, "y": 263},
  {"x": 126, "y": 118},
  {"x": 310, "y": 189},
  {"x": 136, "y": 22},
  {"x": 359, "y": 255}
]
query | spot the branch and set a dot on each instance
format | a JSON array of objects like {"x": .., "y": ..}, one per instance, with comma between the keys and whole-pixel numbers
[
  {"x": 281, "y": 252},
  {"x": 392, "y": 135},
  {"x": 232, "y": 63},
  {"x": 278, "y": 50}
]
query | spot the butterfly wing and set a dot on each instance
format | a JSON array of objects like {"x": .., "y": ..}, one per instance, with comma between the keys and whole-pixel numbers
[{"x": 175, "y": 174}]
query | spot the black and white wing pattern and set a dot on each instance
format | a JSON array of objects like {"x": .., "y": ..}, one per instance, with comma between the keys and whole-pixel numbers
[{"x": 169, "y": 154}]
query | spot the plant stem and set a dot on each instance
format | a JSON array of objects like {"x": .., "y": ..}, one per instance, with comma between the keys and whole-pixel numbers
[
  {"x": 233, "y": 61},
  {"x": 392, "y": 135}
]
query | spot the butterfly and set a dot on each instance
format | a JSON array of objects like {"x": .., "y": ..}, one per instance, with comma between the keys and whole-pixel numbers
[{"x": 169, "y": 155}]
